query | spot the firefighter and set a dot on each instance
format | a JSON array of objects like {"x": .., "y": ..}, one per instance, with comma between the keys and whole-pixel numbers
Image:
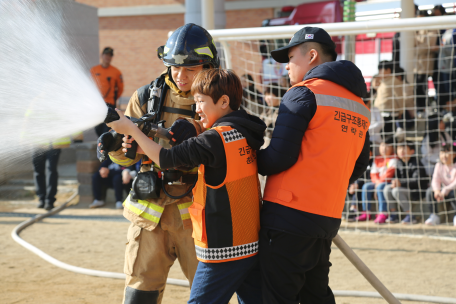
[
  {"x": 319, "y": 145},
  {"x": 161, "y": 229}
]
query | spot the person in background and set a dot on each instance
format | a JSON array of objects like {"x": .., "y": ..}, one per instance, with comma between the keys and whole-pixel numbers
[
  {"x": 376, "y": 126},
  {"x": 111, "y": 175},
  {"x": 272, "y": 95},
  {"x": 425, "y": 50},
  {"x": 354, "y": 192},
  {"x": 46, "y": 189},
  {"x": 393, "y": 96},
  {"x": 409, "y": 183},
  {"x": 252, "y": 97},
  {"x": 382, "y": 172},
  {"x": 436, "y": 137},
  {"x": 109, "y": 81},
  {"x": 446, "y": 83},
  {"x": 443, "y": 184}
]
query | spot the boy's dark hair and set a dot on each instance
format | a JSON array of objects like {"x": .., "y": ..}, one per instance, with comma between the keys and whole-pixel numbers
[
  {"x": 448, "y": 148},
  {"x": 275, "y": 90},
  {"x": 399, "y": 72},
  {"x": 327, "y": 50},
  {"x": 440, "y": 8},
  {"x": 385, "y": 64},
  {"x": 408, "y": 143},
  {"x": 218, "y": 82},
  {"x": 388, "y": 141}
]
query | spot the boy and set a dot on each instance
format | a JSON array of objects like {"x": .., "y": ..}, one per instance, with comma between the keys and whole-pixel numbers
[
  {"x": 409, "y": 183},
  {"x": 382, "y": 172},
  {"x": 226, "y": 200}
]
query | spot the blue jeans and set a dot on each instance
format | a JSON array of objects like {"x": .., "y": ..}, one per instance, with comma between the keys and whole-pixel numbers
[
  {"x": 367, "y": 195},
  {"x": 46, "y": 188},
  {"x": 217, "y": 282}
]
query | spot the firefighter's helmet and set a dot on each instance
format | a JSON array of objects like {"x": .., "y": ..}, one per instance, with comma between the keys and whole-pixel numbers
[{"x": 189, "y": 45}]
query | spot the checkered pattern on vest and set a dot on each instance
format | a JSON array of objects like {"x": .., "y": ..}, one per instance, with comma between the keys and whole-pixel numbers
[
  {"x": 232, "y": 135},
  {"x": 214, "y": 254}
]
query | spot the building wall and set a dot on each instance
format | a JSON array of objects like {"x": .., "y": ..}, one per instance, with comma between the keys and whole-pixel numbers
[{"x": 135, "y": 39}]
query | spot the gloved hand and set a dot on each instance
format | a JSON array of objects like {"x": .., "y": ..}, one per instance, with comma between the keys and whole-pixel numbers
[
  {"x": 108, "y": 142},
  {"x": 181, "y": 130}
]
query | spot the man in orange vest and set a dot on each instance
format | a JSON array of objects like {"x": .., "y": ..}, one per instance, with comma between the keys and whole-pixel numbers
[
  {"x": 109, "y": 81},
  {"x": 320, "y": 144}
]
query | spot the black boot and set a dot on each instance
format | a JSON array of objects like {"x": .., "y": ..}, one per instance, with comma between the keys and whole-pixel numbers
[
  {"x": 135, "y": 296},
  {"x": 40, "y": 205},
  {"x": 49, "y": 206}
]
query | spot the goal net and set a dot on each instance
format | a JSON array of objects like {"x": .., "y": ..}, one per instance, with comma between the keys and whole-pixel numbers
[{"x": 413, "y": 109}]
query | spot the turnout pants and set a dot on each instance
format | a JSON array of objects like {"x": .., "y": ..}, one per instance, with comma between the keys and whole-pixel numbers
[
  {"x": 294, "y": 269},
  {"x": 150, "y": 254}
]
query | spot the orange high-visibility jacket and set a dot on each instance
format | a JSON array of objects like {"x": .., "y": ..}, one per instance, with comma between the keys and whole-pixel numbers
[
  {"x": 109, "y": 81},
  {"x": 317, "y": 183},
  {"x": 226, "y": 218}
]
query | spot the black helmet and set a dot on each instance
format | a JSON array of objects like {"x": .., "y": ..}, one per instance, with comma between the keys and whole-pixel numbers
[{"x": 189, "y": 45}]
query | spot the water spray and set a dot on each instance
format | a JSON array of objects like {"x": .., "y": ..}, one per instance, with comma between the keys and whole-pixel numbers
[{"x": 46, "y": 90}]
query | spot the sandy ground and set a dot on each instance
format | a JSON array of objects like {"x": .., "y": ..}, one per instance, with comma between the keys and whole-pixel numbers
[{"x": 405, "y": 265}]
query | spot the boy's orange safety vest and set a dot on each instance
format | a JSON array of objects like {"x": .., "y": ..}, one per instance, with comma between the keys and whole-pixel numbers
[
  {"x": 317, "y": 183},
  {"x": 226, "y": 218}
]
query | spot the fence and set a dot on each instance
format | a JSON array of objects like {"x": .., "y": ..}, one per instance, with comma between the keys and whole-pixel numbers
[{"x": 417, "y": 105}]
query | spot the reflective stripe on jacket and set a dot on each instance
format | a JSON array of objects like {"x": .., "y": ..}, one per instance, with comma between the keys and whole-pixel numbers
[
  {"x": 147, "y": 214},
  {"x": 317, "y": 183},
  {"x": 226, "y": 218}
]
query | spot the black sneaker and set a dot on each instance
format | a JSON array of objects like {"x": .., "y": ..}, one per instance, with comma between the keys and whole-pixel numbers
[
  {"x": 49, "y": 207},
  {"x": 40, "y": 205},
  {"x": 352, "y": 215}
]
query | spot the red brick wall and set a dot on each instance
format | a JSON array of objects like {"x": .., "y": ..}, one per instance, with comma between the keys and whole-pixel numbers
[
  {"x": 116, "y": 3},
  {"x": 135, "y": 41},
  {"x": 247, "y": 18}
]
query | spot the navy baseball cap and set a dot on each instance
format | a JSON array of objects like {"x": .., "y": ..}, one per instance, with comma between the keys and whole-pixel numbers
[
  {"x": 307, "y": 34},
  {"x": 108, "y": 50}
]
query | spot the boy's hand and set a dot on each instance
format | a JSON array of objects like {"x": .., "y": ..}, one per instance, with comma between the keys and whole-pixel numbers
[
  {"x": 123, "y": 125},
  {"x": 181, "y": 130},
  {"x": 127, "y": 144},
  {"x": 437, "y": 195}
]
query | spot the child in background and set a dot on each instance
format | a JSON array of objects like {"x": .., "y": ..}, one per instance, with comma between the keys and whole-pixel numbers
[
  {"x": 409, "y": 183},
  {"x": 226, "y": 199},
  {"x": 272, "y": 95},
  {"x": 435, "y": 138},
  {"x": 382, "y": 172},
  {"x": 443, "y": 184},
  {"x": 353, "y": 190}
]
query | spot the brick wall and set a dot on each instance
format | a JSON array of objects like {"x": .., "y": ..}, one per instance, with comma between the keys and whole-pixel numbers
[
  {"x": 116, "y": 3},
  {"x": 135, "y": 39}
]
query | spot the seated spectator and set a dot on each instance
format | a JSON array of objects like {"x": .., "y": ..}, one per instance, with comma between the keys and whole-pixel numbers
[
  {"x": 443, "y": 184},
  {"x": 406, "y": 119},
  {"x": 272, "y": 95},
  {"x": 409, "y": 183},
  {"x": 393, "y": 96},
  {"x": 382, "y": 171},
  {"x": 355, "y": 194},
  {"x": 436, "y": 136},
  {"x": 252, "y": 97},
  {"x": 111, "y": 175}
]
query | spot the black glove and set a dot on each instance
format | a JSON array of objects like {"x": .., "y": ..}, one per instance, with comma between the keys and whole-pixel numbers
[
  {"x": 108, "y": 142},
  {"x": 181, "y": 130}
]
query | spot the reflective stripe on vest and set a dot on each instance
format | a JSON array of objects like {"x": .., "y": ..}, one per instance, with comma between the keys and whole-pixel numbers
[
  {"x": 317, "y": 183},
  {"x": 144, "y": 209},
  {"x": 226, "y": 218}
]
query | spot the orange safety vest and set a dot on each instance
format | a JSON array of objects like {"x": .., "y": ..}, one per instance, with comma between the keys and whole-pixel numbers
[
  {"x": 226, "y": 218},
  {"x": 317, "y": 183}
]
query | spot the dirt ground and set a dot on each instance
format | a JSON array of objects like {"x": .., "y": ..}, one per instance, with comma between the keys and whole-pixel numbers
[{"x": 405, "y": 265}]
